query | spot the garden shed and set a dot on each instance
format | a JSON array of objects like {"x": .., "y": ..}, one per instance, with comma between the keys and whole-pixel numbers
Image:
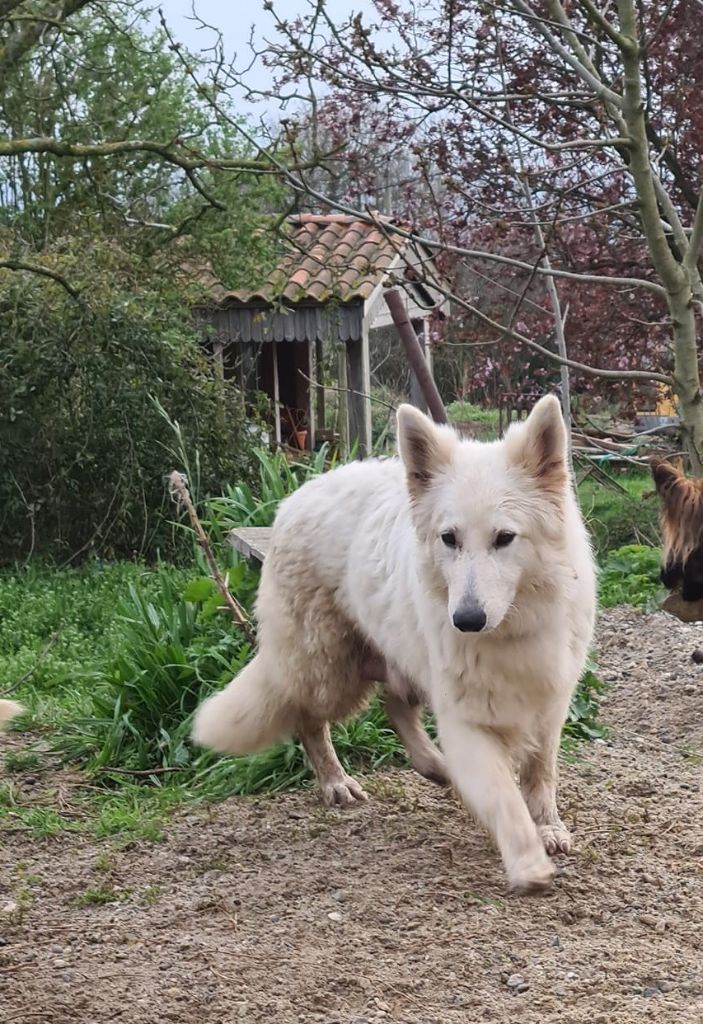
[{"x": 316, "y": 309}]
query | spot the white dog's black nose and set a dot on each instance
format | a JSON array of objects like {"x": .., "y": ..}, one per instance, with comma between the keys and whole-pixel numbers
[{"x": 469, "y": 620}]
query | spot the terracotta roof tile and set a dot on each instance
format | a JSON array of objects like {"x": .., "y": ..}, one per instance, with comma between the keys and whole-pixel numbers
[{"x": 326, "y": 257}]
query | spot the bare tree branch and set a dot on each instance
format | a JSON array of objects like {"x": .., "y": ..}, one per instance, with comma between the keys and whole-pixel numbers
[
  {"x": 180, "y": 157},
  {"x": 34, "y": 268}
]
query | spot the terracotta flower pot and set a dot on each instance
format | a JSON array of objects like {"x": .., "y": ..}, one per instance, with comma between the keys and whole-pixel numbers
[{"x": 301, "y": 437}]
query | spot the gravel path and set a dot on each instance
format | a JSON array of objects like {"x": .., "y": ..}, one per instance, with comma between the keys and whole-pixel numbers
[{"x": 277, "y": 910}]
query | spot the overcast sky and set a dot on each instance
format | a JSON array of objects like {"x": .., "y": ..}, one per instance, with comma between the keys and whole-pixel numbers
[{"x": 235, "y": 20}]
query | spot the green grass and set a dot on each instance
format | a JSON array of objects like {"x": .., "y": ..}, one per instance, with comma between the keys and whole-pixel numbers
[
  {"x": 466, "y": 411},
  {"x": 99, "y": 894},
  {"x": 625, "y": 512},
  {"x": 56, "y": 622}
]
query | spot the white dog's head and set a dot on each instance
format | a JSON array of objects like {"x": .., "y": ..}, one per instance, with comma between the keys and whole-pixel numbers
[{"x": 486, "y": 514}]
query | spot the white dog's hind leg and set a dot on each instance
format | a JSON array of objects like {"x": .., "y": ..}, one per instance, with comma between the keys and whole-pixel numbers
[
  {"x": 336, "y": 787},
  {"x": 480, "y": 767},
  {"x": 538, "y": 779}
]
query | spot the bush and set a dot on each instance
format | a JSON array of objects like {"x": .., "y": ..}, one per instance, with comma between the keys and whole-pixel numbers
[
  {"x": 630, "y": 575},
  {"x": 83, "y": 447}
]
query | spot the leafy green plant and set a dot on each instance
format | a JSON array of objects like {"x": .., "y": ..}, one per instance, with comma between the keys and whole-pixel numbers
[
  {"x": 17, "y": 761},
  {"x": 176, "y": 646},
  {"x": 55, "y": 622},
  {"x": 256, "y": 504},
  {"x": 582, "y": 722},
  {"x": 630, "y": 575}
]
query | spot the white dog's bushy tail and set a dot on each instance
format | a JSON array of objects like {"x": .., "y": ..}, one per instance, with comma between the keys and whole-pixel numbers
[
  {"x": 248, "y": 715},
  {"x": 8, "y": 710}
]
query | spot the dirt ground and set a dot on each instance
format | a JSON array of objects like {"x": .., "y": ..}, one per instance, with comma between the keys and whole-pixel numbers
[{"x": 278, "y": 910}]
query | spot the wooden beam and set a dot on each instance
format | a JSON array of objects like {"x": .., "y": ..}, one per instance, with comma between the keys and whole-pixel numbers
[
  {"x": 251, "y": 541},
  {"x": 218, "y": 356},
  {"x": 415, "y": 355},
  {"x": 311, "y": 402},
  {"x": 276, "y": 395},
  {"x": 320, "y": 379},
  {"x": 417, "y": 395},
  {"x": 343, "y": 396},
  {"x": 359, "y": 384}
]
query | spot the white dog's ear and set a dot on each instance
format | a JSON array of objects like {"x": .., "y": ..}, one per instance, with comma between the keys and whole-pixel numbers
[
  {"x": 539, "y": 445},
  {"x": 424, "y": 448}
]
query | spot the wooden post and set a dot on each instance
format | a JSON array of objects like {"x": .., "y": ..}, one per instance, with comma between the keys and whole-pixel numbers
[
  {"x": 218, "y": 356},
  {"x": 417, "y": 396},
  {"x": 415, "y": 355},
  {"x": 311, "y": 403},
  {"x": 359, "y": 377},
  {"x": 276, "y": 396},
  {"x": 343, "y": 412},
  {"x": 320, "y": 379},
  {"x": 248, "y": 356}
]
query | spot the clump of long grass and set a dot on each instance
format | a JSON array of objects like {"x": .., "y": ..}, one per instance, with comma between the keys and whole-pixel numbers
[{"x": 176, "y": 647}]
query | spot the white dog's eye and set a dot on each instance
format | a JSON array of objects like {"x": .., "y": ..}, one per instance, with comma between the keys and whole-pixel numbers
[
  {"x": 449, "y": 538},
  {"x": 503, "y": 538}
]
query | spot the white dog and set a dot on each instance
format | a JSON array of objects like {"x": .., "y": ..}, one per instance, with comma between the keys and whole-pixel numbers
[
  {"x": 8, "y": 710},
  {"x": 460, "y": 575}
]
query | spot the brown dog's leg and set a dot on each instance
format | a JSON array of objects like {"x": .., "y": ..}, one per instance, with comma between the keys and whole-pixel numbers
[{"x": 336, "y": 787}]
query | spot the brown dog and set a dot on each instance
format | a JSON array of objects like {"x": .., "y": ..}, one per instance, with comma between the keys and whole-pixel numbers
[{"x": 682, "y": 529}]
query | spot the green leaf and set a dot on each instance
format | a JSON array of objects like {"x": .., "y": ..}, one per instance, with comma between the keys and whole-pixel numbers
[{"x": 200, "y": 590}]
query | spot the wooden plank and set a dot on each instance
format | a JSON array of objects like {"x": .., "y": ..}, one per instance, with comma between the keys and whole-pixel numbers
[
  {"x": 320, "y": 389},
  {"x": 358, "y": 402},
  {"x": 251, "y": 541},
  {"x": 276, "y": 396}
]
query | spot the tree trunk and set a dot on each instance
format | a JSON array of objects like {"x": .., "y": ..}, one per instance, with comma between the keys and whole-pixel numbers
[
  {"x": 687, "y": 384},
  {"x": 676, "y": 277}
]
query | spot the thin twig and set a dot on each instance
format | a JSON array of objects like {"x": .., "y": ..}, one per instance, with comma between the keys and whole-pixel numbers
[
  {"x": 178, "y": 490},
  {"x": 350, "y": 391}
]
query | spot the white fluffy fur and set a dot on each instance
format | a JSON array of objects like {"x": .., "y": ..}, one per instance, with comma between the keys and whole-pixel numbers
[
  {"x": 8, "y": 710},
  {"x": 357, "y": 563}
]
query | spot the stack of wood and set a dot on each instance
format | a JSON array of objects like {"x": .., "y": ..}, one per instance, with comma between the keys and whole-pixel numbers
[{"x": 623, "y": 445}]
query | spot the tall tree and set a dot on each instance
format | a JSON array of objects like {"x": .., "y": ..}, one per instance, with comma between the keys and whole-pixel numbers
[
  {"x": 561, "y": 141},
  {"x": 104, "y": 130}
]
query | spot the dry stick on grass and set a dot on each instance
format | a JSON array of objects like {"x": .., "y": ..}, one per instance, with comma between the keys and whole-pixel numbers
[{"x": 178, "y": 490}]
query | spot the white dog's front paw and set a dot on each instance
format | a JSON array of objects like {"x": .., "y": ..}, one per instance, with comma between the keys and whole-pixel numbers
[
  {"x": 342, "y": 792},
  {"x": 556, "y": 838},
  {"x": 531, "y": 873}
]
